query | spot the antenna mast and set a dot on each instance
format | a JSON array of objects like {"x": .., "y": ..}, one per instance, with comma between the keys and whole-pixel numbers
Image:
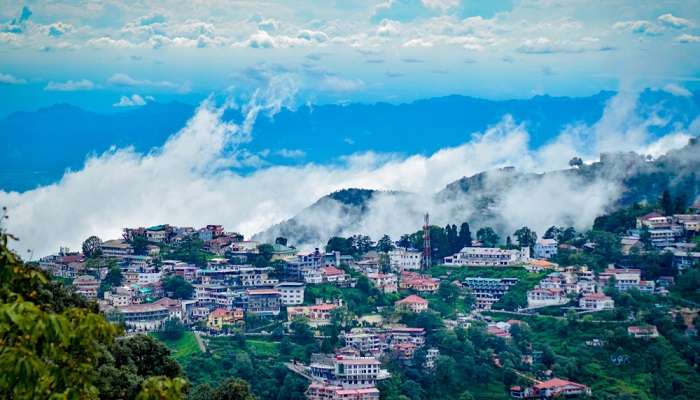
[{"x": 426, "y": 242}]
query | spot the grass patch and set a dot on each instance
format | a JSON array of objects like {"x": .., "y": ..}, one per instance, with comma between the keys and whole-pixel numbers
[
  {"x": 262, "y": 348},
  {"x": 181, "y": 348}
]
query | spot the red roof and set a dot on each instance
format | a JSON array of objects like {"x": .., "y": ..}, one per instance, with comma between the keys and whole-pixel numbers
[
  {"x": 332, "y": 271},
  {"x": 596, "y": 296},
  {"x": 413, "y": 299},
  {"x": 557, "y": 383},
  {"x": 219, "y": 312}
]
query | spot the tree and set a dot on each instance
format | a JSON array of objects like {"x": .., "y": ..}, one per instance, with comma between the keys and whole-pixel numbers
[
  {"x": 281, "y": 240},
  {"x": 178, "y": 287},
  {"x": 264, "y": 256},
  {"x": 576, "y": 162},
  {"x": 340, "y": 244},
  {"x": 384, "y": 244},
  {"x": 404, "y": 241},
  {"x": 525, "y": 237},
  {"x": 173, "y": 329},
  {"x": 362, "y": 243},
  {"x": 666, "y": 202},
  {"x": 92, "y": 247},
  {"x": 487, "y": 236},
  {"x": 140, "y": 245},
  {"x": 552, "y": 232},
  {"x": 448, "y": 292},
  {"x": 464, "y": 235},
  {"x": 233, "y": 389}
]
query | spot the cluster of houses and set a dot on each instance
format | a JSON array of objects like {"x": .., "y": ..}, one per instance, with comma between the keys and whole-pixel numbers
[{"x": 667, "y": 233}]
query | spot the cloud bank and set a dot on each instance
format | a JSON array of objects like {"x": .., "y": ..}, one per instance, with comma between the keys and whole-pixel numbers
[{"x": 191, "y": 179}]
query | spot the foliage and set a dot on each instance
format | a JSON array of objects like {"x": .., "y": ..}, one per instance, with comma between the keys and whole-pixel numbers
[
  {"x": 487, "y": 236},
  {"x": 189, "y": 250},
  {"x": 92, "y": 247},
  {"x": 384, "y": 244},
  {"x": 173, "y": 329},
  {"x": 525, "y": 237},
  {"x": 178, "y": 286}
]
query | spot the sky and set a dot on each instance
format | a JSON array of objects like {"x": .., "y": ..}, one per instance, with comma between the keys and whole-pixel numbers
[
  {"x": 115, "y": 55},
  {"x": 110, "y": 55}
]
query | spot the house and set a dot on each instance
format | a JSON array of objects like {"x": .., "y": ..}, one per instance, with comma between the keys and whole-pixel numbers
[
  {"x": 387, "y": 283},
  {"x": 333, "y": 275},
  {"x": 537, "y": 265},
  {"x": 403, "y": 259},
  {"x": 643, "y": 332},
  {"x": 117, "y": 248},
  {"x": 264, "y": 302},
  {"x": 487, "y": 291},
  {"x": 630, "y": 242},
  {"x": 560, "y": 388},
  {"x": 545, "y": 248},
  {"x": 431, "y": 355},
  {"x": 685, "y": 259},
  {"x": 316, "y": 315},
  {"x": 221, "y": 317},
  {"x": 419, "y": 283},
  {"x": 324, "y": 391},
  {"x": 654, "y": 220},
  {"x": 291, "y": 293},
  {"x": 404, "y": 351},
  {"x": 87, "y": 286},
  {"x": 488, "y": 257},
  {"x": 144, "y": 317},
  {"x": 625, "y": 278},
  {"x": 544, "y": 297},
  {"x": 596, "y": 301},
  {"x": 412, "y": 303}
]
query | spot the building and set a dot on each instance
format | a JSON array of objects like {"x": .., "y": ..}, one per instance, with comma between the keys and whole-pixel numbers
[
  {"x": 366, "y": 341},
  {"x": 323, "y": 391},
  {"x": 86, "y": 286},
  {"x": 625, "y": 278},
  {"x": 402, "y": 259},
  {"x": 117, "y": 248},
  {"x": 596, "y": 301},
  {"x": 412, "y": 303},
  {"x": 488, "y": 257},
  {"x": 357, "y": 371},
  {"x": 685, "y": 259},
  {"x": 643, "y": 332},
  {"x": 265, "y": 302},
  {"x": 291, "y": 293},
  {"x": 553, "y": 388},
  {"x": 544, "y": 297},
  {"x": 221, "y": 317},
  {"x": 387, "y": 283},
  {"x": 419, "y": 283},
  {"x": 316, "y": 315},
  {"x": 144, "y": 317},
  {"x": 333, "y": 275},
  {"x": 654, "y": 220},
  {"x": 545, "y": 248},
  {"x": 487, "y": 291}
]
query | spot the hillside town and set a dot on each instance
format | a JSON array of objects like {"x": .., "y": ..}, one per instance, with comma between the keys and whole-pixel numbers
[{"x": 365, "y": 310}]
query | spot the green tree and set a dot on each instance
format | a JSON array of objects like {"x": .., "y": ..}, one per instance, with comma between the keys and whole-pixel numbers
[
  {"x": 92, "y": 247},
  {"x": 464, "y": 235},
  {"x": 340, "y": 244},
  {"x": 448, "y": 292},
  {"x": 666, "y": 202},
  {"x": 487, "y": 236},
  {"x": 264, "y": 256},
  {"x": 385, "y": 244},
  {"x": 173, "y": 329},
  {"x": 140, "y": 245},
  {"x": 525, "y": 237},
  {"x": 233, "y": 389},
  {"x": 281, "y": 240},
  {"x": 178, "y": 287}
]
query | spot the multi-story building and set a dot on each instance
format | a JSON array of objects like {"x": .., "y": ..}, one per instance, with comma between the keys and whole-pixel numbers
[
  {"x": 487, "y": 291},
  {"x": 545, "y": 248},
  {"x": 403, "y": 259},
  {"x": 625, "y": 279},
  {"x": 544, "y": 297},
  {"x": 87, "y": 286},
  {"x": 643, "y": 332},
  {"x": 221, "y": 317},
  {"x": 265, "y": 302},
  {"x": 316, "y": 315},
  {"x": 596, "y": 301},
  {"x": 324, "y": 391},
  {"x": 144, "y": 317},
  {"x": 387, "y": 283},
  {"x": 117, "y": 248},
  {"x": 296, "y": 267},
  {"x": 488, "y": 257},
  {"x": 419, "y": 283},
  {"x": 683, "y": 259},
  {"x": 291, "y": 293}
]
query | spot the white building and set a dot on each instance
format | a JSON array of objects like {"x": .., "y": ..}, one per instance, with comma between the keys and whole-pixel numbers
[
  {"x": 545, "y": 248},
  {"x": 402, "y": 259},
  {"x": 488, "y": 257},
  {"x": 596, "y": 301},
  {"x": 291, "y": 293},
  {"x": 544, "y": 297}
]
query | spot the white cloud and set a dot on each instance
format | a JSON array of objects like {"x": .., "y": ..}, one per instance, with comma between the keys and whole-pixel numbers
[
  {"x": 108, "y": 42},
  {"x": 188, "y": 181},
  {"x": 543, "y": 45},
  {"x": 291, "y": 153},
  {"x": 441, "y": 5},
  {"x": 11, "y": 80},
  {"x": 642, "y": 27},
  {"x": 418, "y": 42},
  {"x": 334, "y": 83},
  {"x": 388, "y": 27},
  {"x": 687, "y": 38},
  {"x": 58, "y": 29},
  {"x": 124, "y": 80},
  {"x": 673, "y": 21},
  {"x": 134, "y": 101},
  {"x": 70, "y": 86},
  {"x": 677, "y": 90}
]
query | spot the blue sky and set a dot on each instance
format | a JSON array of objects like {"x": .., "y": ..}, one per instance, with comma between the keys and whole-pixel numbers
[{"x": 108, "y": 55}]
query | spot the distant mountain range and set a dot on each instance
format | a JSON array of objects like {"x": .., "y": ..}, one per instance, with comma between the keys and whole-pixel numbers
[
  {"x": 502, "y": 198},
  {"x": 37, "y": 147}
]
